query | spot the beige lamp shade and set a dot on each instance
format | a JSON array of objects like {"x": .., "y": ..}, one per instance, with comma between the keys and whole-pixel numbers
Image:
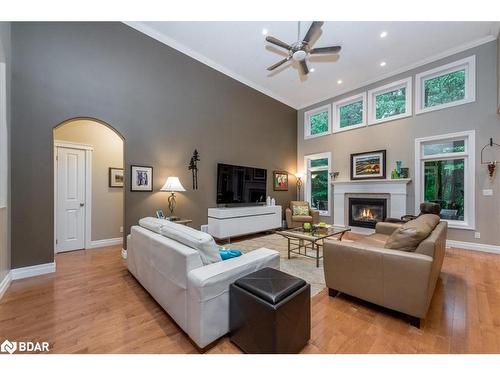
[{"x": 173, "y": 184}]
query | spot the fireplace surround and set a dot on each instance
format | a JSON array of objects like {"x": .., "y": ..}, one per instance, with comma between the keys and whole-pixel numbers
[{"x": 367, "y": 212}]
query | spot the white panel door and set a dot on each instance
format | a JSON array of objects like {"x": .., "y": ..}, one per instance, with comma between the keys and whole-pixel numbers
[{"x": 70, "y": 216}]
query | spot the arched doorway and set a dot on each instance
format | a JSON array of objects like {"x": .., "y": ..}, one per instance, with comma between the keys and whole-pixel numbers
[{"x": 88, "y": 185}]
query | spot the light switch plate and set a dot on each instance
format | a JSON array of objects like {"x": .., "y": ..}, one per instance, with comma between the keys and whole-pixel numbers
[
  {"x": 487, "y": 192},
  {"x": 477, "y": 235}
]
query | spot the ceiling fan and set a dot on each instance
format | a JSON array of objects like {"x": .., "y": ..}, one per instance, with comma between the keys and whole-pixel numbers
[{"x": 301, "y": 49}]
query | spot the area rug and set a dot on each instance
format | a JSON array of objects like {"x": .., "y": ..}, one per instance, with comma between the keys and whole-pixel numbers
[{"x": 297, "y": 265}]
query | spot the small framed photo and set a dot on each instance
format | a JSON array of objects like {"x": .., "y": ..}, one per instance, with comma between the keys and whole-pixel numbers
[
  {"x": 368, "y": 165},
  {"x": 141, "y": 178},
  {"x": 115, "y": 177},
  {"x": 160, "y": 214},
  {"x": 280, "y": 181}
]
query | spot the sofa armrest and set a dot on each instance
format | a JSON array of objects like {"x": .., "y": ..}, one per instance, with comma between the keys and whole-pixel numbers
[
  {"x": 395, "y": 279},
  {"x": 315, "y": 216},
  {"x": 386, "y": 228},
  {"x": 208, "y": 293}
]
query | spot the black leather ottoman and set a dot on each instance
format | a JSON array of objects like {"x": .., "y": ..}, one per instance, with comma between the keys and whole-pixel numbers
[{"x": 270, "y": 312}]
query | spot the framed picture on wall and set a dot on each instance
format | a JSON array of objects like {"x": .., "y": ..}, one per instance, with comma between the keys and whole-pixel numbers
[
  {"x": 368, "y": 165},
  {"x": 115, "y": 177},
  {"x": 141, "y": 178},
  {"x": 280, "y": 181}
]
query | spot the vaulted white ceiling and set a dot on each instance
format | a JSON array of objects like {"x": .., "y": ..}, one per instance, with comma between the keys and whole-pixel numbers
[{"x": 239, "y": 50}]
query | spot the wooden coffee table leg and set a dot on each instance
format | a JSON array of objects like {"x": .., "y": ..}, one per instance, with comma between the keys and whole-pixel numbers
[
  {"x": 317, "y": 255},
  {"x": 288, "y": 248}
]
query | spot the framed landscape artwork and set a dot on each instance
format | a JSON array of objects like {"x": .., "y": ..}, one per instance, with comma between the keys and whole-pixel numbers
[
  {"x": 141, "y": 178},
  {"x": 115, "y": 177},
  {"x": 368, "y": 165},
  {"x": 280, "y": 181}
]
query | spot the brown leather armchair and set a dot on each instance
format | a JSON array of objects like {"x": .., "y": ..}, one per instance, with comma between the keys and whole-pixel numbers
[
  {"x": 294, "y": 221},
  {"x": 425, "y": 208}
]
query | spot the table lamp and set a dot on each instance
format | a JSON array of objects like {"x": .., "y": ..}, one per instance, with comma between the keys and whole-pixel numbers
[{"x": 172, "y": 185}]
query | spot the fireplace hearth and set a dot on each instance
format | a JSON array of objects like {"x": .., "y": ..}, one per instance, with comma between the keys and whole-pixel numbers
[{"x": 367, "y": 212}]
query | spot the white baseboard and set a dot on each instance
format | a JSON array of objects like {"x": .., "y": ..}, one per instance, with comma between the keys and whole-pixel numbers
[
  {"x": 473, "y": 246},
  {"x": 5, "y": 283},
  {"x": 39, "y": 269},
  {"x": 124, "y": 254},
  {"x": 107, "y": 242}
]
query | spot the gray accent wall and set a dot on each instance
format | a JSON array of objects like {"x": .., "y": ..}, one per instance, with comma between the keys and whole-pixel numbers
[
  {"x": 398, "y": 136},
  {"x": 162, "y": 102},
  {"x": 5, "y": 57}
]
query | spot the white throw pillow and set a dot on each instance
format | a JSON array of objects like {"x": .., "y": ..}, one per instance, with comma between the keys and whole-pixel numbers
[
  {"x": 203, "y": 242},
  {"x": 152, "y": 223}
]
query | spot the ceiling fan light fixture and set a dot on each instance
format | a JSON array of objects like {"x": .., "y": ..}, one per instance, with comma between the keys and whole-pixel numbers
[{"x": 299, "y": 55}]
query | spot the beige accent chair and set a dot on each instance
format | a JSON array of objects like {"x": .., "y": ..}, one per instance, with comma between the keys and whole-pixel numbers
[
  {"x": 399, "y": 280},
  {"x": 294, "y": 221}
]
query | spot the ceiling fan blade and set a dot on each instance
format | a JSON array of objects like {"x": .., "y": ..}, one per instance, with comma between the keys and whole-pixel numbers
[
  {"x": 303, "y": 65},
  {"x": 315, "y": 26},
  {"x": 278, "y": 42},
  {"x": 333, "y": 49},
  {"x": 279, "y": 63}
]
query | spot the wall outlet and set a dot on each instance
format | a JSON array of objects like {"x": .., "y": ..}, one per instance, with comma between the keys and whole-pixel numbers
[
  {"x": 121, "y": 229},
  {"x": 487, "y": 192},
  {"x": 477, "y": 235}
]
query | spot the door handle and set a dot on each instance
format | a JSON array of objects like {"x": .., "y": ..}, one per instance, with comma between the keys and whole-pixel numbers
[{"x": 82, "y": 204}]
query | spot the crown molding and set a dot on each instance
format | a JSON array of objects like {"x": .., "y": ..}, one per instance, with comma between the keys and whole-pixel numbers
[{"x": 145, "y": 29}]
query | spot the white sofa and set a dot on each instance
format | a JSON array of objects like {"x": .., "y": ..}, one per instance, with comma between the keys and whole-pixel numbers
[{"x": 195, "y": 295}]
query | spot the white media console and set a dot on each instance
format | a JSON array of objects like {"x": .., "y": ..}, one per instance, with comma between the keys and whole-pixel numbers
[{"x": 230, "y": 222}]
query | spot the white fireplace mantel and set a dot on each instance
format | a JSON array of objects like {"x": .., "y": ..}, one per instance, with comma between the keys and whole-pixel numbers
[{"x": 397, "y": 190}]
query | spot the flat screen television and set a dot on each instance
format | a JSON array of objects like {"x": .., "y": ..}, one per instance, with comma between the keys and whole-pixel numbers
[{"x": 240, "y": 185}]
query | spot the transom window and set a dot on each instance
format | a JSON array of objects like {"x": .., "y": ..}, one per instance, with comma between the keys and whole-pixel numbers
[
  {"x": 444, "y": 168},
  {"x": 349, "y": 113},
  {"x": 317, "y": 189},
  {"x": 446, "y": 86},
  {"x": 317, "y": 122},
  {"x": 390, "y": 102}
]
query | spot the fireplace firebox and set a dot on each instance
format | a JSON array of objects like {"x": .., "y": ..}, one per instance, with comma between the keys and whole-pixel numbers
[{"x": 367, "y": 212}]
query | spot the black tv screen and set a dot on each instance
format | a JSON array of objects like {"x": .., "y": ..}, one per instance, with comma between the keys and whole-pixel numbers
[{"x": 240, "y": 185}]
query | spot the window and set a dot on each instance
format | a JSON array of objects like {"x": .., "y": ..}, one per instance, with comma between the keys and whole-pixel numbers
[
  {"x": 3, "y": 137},
  {"x": 446, "y": 86},
  {"x": 317, "y": 122},
  {"x": 444, "y": 166},
  {"x": 390, "y": 102},
  {"x": 317, "y": 189},
  {"x": 349, "y": 113}
]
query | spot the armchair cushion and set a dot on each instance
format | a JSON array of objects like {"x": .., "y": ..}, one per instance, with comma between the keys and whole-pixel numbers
[
  {"x": 303, "y": 218},
  {"x": 300, "y": 210},
  {"x": 409, "y": 235}
]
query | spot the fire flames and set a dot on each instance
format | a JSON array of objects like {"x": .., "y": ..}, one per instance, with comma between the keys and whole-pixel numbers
[{"x": 367, "y": 214}]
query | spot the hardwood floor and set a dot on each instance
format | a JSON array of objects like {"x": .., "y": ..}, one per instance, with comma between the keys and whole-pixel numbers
[{"x": 93, "y": 305}]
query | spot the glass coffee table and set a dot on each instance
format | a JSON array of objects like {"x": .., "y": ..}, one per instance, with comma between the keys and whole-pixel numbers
[{"x": 300, "y": 239}]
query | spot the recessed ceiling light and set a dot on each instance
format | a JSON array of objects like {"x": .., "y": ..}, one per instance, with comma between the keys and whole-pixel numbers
[
  {"x": 383, "y": 34},
  {"x": 311, "y": 70},
  {"x": 383, "y": 63},
  {"x": 339, "y": 82},
  {"x": 264, "y": 31}
]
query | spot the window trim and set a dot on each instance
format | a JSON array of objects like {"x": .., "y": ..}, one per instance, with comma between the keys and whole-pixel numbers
[
  {"x": 469, "y": 63},
  {"x": 308, "y": 170},
  {"x": 307, "y": 123},
  {"x": 407, "y": 83},
  {"x": 469, "y": 138},
  {"x": 4, "y": 139},
  {"x": 342, "y": 103}
]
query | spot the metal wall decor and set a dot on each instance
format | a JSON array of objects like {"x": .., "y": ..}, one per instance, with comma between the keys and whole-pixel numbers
[
  {"x": 193, "y": 167},
  {"x": 492, "y": 163}
]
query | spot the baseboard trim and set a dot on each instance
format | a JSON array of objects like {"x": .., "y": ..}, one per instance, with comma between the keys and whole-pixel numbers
[
  {"x": 124, "y": 254},
  {"x": 39, "y": 269},
  {"x": 5, "y": 283},
  {"x": 474, "y": 246},
  {"x": 107, "y": 242}
]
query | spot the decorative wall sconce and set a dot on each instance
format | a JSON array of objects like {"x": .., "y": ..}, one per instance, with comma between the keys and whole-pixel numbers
[
  {"x": 299, "y": 182},
  {"x": 492, "y": 163},
  {"x": 334, "y": 175},
  {"x": 193, "y": 167}
]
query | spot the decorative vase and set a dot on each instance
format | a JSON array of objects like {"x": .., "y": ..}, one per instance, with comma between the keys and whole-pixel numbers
[
  {"x": 268, "y": 200},
  {"x": 273, "y": 202},
  {"x": 398, "y": 167}
]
